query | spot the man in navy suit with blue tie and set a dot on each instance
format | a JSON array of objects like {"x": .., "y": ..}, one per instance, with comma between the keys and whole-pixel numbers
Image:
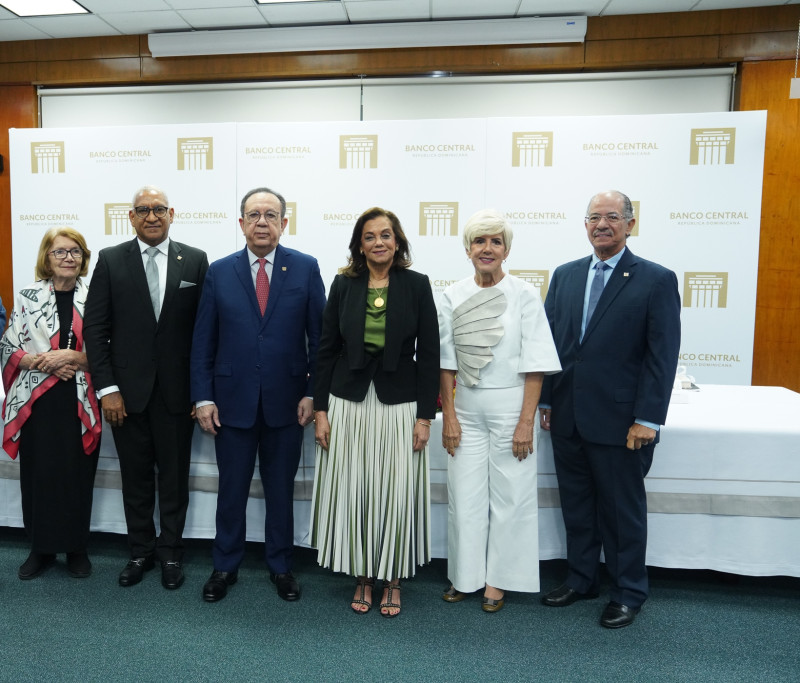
[
  {"x": 615, "y": 320},
  {"x": 253, "y": 354}
]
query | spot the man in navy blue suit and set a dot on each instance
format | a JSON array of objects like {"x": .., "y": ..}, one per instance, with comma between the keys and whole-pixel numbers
[
  {"x": 253, "y": 355},
  {"x": 615, "y": 320}
]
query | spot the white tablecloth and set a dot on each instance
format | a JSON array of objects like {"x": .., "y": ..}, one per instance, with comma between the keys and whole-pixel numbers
[{"x": 723, "y": 492}]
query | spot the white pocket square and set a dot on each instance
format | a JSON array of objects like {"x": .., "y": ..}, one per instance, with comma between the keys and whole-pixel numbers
[{"x": 187, "y": 284}]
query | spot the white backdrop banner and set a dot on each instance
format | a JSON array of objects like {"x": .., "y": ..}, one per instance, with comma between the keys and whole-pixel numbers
[{"x": 695, "y": 181}]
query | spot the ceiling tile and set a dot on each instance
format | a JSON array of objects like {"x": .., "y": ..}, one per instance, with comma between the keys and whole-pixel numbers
[
  {"x": 146, "y": 22},
  {"x": 72, "y": 26},
  {"x": 589, "y": 8},
  {"x": 223, "y": 18},
  {"x": 209, "y": 4},
  {"x": 105, "y": 6},
  {"x": 387, "y": 10},
  {"x": 639, "y": 7},
  {"x": 731, "y": 4},
  {"x": 304, "y": 13},
  {"x": 17, "y": 29},
  {"x": 464, "y": 9}
]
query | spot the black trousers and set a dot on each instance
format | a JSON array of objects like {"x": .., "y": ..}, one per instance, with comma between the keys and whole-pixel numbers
[{"x": 155, "y": 446}]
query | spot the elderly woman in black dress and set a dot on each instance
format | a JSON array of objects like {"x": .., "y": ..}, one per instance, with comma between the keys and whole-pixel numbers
[{"x": 51, "y": 417}]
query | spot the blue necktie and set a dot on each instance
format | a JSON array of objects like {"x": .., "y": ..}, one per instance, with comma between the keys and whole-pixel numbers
[{"x": 597, "y": 288}]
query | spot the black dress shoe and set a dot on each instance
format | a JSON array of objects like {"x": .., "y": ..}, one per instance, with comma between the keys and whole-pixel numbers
[
  {"x": 78, "y": 564},
  {"x": 171, "y": 575},
  {"x": 134, "y": 570},
  {"x": 35, "y": 565},
  {"x": 564, "y": 596},
  {"x": 617, "y": 615},
  {"x": 287, "y": 586},
  {"x": 216, "y": 587}
]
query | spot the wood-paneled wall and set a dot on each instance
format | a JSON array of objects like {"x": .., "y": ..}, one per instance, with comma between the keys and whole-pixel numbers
[{"x": 761, "y": 41}]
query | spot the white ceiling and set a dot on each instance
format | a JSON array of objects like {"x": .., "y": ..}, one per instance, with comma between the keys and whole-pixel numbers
[{"x": 119, "y": 17}]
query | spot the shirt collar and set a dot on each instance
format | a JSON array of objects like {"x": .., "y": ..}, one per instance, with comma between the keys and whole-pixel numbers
[
  {"x": 611, "y": 262},
  {"x": 163, "y": 247},
  {"x": 253, "y": 258}
]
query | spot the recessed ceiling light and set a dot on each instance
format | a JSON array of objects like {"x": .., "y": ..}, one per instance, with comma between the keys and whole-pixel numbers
[{"x": 43, "y": 8}]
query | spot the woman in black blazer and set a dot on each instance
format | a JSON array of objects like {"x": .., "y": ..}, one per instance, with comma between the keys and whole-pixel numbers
[{"x": 374, "y": 399}]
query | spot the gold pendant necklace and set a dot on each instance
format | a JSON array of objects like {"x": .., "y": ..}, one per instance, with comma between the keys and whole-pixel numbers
[{"x": 379, "y": 300}]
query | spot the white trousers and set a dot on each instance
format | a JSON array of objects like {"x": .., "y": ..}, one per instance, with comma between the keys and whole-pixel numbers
[{"x": 493, "y": 508}]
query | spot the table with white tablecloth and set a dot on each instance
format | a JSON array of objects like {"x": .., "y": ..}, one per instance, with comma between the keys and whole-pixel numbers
[{"x": 723, "y": 492}]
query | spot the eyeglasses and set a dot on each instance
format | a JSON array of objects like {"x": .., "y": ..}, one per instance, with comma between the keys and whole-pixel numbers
[
  {"x": 269, "y": 216},
  {"x": 612, "y": 218},
  {"x": 61, "y": 254},
  {"x": 144, "y": 211}
]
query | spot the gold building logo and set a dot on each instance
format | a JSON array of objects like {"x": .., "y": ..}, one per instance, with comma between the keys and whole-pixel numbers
[
  {"x": 438, "y": 219},
  {"x": 712, "y": 146},
  {"x": 358, "y": 151},
  {"x": 705, "y": 290},
  {"x": 532, "y": 149},
  {"x": 47, "y": 157},
  {"x": 291, "y": 214},
  {"x": 117, "y": 222},
  {"x": 637, "y": 214},
  {"x": 195, "y": 154},
  {"x": 540, "y": 279}
]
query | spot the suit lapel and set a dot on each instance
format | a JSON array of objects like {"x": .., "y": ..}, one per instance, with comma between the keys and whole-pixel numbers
[
  {"x": 622, "y": 274},
  {"x": 174, "y": 272},
  {"x": 245, "y": 275},
  {"x": 138, "y": 277},
  {"x": 577, "y": 285},
  {"x": 281, "y": 264}
]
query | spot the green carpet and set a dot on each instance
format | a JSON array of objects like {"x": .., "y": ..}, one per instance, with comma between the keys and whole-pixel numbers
[{"x": 697, "y": 626}]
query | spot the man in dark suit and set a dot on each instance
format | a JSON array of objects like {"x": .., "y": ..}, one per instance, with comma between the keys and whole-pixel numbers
[
  {"x": 615, "y": 319},
  {"x": 253, "y": 355},
  {"x": 138, "y": 332}
]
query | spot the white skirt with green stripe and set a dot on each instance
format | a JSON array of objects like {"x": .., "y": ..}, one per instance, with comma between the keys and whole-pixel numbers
[{"x": 371, "y": 503}]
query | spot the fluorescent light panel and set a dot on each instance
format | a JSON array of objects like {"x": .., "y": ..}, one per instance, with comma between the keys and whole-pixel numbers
[
  {"x": 43, "y": 8},
  {"x": 520, "y": 31}
]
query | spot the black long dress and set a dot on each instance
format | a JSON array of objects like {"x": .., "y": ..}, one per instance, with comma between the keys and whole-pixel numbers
[{"x": 56, "y": 476}]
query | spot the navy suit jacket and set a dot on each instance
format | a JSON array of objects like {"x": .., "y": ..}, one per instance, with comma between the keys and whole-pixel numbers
[
  {"x": 125, "y": 344},
  {"x": 624, "y": 368},
  {"x": 239, "y": 357}
]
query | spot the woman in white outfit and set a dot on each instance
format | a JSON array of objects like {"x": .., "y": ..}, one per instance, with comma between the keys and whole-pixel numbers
[{"x": 496, "y": 344}]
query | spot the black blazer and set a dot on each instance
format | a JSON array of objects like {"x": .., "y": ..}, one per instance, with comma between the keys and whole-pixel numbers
[
  {"x": 345, "y": 369},
  {"x": 125, "y": 345}
]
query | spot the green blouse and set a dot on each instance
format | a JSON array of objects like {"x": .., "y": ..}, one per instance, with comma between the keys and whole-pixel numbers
[{"x": 375, "y": 323}]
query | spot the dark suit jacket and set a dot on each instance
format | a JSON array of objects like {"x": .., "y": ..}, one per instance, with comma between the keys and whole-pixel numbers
[
  {"x": 345, "y": 369},
  {"x": 238, "y": 356},
  {"x": 125, "y": 345},
  {"x": 625, "y": 366}
]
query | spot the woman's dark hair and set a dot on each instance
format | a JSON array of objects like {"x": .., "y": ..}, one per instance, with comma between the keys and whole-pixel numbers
[{"x": 357, "y": 262}]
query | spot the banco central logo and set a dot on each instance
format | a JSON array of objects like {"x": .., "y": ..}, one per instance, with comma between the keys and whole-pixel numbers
[
  {"x": 438, "y": 219},
  {"x": 195, "y": 154},
  {"x": 532, "y": 149},
  {"x": 358, "y": 151},
  {"x": 705, "y": 290},
  {"x": 637, "y": 214},
  {"x": 291, "y": 214},
  {"x": 540, "y": 279},
  {"x": 47, "y": 157},
  {"x": 712, "y": 146},
  {"x": 117, "y": 222}
]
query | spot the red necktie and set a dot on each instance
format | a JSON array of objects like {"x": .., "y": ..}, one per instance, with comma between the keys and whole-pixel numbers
[{"x": 262, "y": 286}]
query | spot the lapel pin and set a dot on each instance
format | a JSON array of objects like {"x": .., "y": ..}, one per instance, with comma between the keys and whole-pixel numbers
[
  {"x": 625, "y": 274},
  {"x": 180, "y": 257},
  {"x": 283, "y": 267}
]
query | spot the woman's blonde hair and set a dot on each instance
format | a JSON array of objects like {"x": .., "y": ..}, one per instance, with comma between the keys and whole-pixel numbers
[{"x": 43, "y": 269}]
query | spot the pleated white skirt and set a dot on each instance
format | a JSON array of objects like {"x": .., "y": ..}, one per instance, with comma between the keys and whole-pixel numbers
[{"x": 371, "y": 503}]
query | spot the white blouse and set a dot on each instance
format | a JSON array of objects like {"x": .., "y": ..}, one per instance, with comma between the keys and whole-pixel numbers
[{"x": 525, "y": 343}]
